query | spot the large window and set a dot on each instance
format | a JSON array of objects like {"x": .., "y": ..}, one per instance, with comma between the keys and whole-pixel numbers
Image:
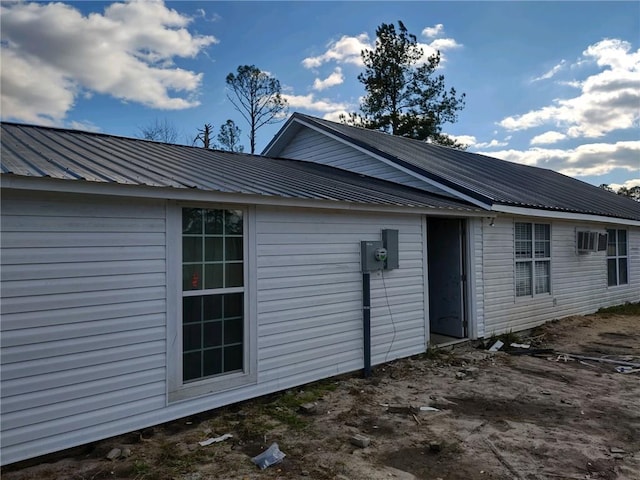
[
  {"x": 617, "y": 257},
  {"x": 532, "y": 258},
  {"x": 212, "y": 292}
]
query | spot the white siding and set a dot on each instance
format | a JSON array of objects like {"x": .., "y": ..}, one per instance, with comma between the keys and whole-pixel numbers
[
  {"x": 315, "y": 147},
  {"x": 83, "y": 316},
  {"x": 85, "y": 301},
  {"x": 578, "y": 282},
  {"x": 476, "y": 277},
  {"x": 310, "y": 293}
]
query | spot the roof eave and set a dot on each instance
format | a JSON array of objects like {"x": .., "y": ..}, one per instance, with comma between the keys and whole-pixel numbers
[
  {"x": 200, "y": 195},
  {"x": 563, "y": 215}
]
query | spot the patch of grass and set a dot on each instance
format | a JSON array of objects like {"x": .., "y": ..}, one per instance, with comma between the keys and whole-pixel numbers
[
  {"x": 624, "y": 309},
  {"x": 140, "y": 468},
  {"x": 289, "y": 418}
]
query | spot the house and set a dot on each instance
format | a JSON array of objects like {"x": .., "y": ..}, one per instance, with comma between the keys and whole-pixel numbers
[
  {"x": 144, "y": 282},
  {"x": 532, "y": 258}
]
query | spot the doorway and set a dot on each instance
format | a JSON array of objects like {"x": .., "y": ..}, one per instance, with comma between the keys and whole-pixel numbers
[{"x": 447, "y": 280}]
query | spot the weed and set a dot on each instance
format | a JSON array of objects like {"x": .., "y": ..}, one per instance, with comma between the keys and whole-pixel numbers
[
  {"x": 433, "y": 352},
  {"x": 507, "y": 338},
  {"x": 140, "y": 468}
]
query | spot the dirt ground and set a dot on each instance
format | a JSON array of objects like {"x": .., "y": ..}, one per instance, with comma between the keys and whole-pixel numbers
[{"x": 500, "y": 416}]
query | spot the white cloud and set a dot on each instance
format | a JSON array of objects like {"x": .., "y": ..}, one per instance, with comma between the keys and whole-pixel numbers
[
  {"x": 345, "y": 50},
  {"x": 51, "y": 53},
  {"x": 551, "y": 73},
  {"x": 492, "y": 144},
  {"x": 547, "y": 137},
  {"x": 309, "y": 102},
  {"x": 336, "y": 78},
  {"x": 608, "y": 100},
  {"x": 85, "y": 126},
  {"x": 588, "y": 159},
  {"x": 434, "y": 31},
  {"x": 466, "y": 140},
  {"x": 471, "y": 141},
  {"x": 634, "y": 182}
]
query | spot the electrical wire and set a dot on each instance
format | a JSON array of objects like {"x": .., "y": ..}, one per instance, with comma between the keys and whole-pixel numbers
[{"x": 393, "y": 323}]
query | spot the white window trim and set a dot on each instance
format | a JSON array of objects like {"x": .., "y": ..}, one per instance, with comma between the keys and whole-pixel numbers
[
  {"x": 176, "y": 389},
  {"x": 532, "y": 261},
  {"x": 617, "y": 257}
]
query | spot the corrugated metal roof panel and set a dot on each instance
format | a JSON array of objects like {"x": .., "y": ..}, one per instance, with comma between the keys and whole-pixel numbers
[
  {"x": 82, "y": 156},
  {"x": 486, "y": 178}
]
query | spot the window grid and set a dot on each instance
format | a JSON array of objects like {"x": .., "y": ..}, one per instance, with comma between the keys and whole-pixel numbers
[
  {"x": 617, "y": 258},
  {"x": 213, "y": 292},
  {"x": 533, "y": 259}
]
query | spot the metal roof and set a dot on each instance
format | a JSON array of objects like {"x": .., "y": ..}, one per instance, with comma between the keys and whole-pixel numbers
[
  {"x": 484, "y": 178},
  {"x": 33, "y": 151}
]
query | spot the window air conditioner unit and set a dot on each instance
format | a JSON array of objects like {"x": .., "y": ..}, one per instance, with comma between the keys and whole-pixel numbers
[{"x": 587, "y": 242}]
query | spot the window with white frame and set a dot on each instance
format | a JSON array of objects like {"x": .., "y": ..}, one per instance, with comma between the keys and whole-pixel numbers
[
  {"x": 532, "y": 259},
  {"x": 212, "y": 293},
  {"x": 617, "y": 257}
]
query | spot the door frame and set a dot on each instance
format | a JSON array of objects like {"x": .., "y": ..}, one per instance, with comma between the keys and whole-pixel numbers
[{"x": 467, "y": 269}]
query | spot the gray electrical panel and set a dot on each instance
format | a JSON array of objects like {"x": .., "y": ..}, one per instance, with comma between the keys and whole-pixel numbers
[
  {"x": 372, "y": 256},
  {"x": 390, "y": 243}
]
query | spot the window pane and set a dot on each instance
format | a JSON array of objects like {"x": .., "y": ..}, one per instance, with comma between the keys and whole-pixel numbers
[
  {"x": 233, "y": 331},
  {"x": 233, "y": 222},
  {"x": 212, "y": 362},
  {"x": 543, "y": 241},
  {"x": 191, "y": 337},
  {"x": 611, "y": 243},
  {"x": 191, "y": 310},
  {"x": 523, "y": 231},
  {"x": 523, "y": 241},
  {"x": 233, "y": 248},
  {"x": 213, "y": 222},
  {"x": 213, "y": 275},
  {"x": 191, "y": 366},
  {"x": 612, "y": 274},
  {"x": 622, "y": 242},
  {"x": 213, "y": 249},
  {"x": 232, "y": 358},
  {"x": 192, "y": 249},
  {"x": 233, "y": 305},
  {"x": 543, "y": 277},
  {"x": 542, "y": 232},
  {"x": 191, "y": 277},
  {"x": 523, "y": 279},
  {"x": 212, "y": 307},
  {"x": 622, "y": 271},
  {"x": 233, "y": 275},
  {"x": 192, "y": 220},
  {"x": 212, "y": 334}
]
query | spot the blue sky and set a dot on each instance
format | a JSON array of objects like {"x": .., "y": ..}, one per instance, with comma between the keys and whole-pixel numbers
[{"x": 551, "y": 84}]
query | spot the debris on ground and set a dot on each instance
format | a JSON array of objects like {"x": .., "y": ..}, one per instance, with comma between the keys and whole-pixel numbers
[
  {"x": 270, "y": 456},
  {"x": 219, "y": 439},
  {"x": 360, "y": 440}
]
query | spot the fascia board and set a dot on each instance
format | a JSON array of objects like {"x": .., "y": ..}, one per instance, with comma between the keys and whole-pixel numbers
[{"x": 535, "y": 212}]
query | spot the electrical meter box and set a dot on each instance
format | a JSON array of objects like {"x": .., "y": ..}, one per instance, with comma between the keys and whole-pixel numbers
[
  {"x": 390, "y": 242},
  {"x": 373, "y": 256}
]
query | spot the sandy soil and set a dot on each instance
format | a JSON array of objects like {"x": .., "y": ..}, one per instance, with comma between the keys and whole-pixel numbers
[{"x": 501, "y": 416}]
